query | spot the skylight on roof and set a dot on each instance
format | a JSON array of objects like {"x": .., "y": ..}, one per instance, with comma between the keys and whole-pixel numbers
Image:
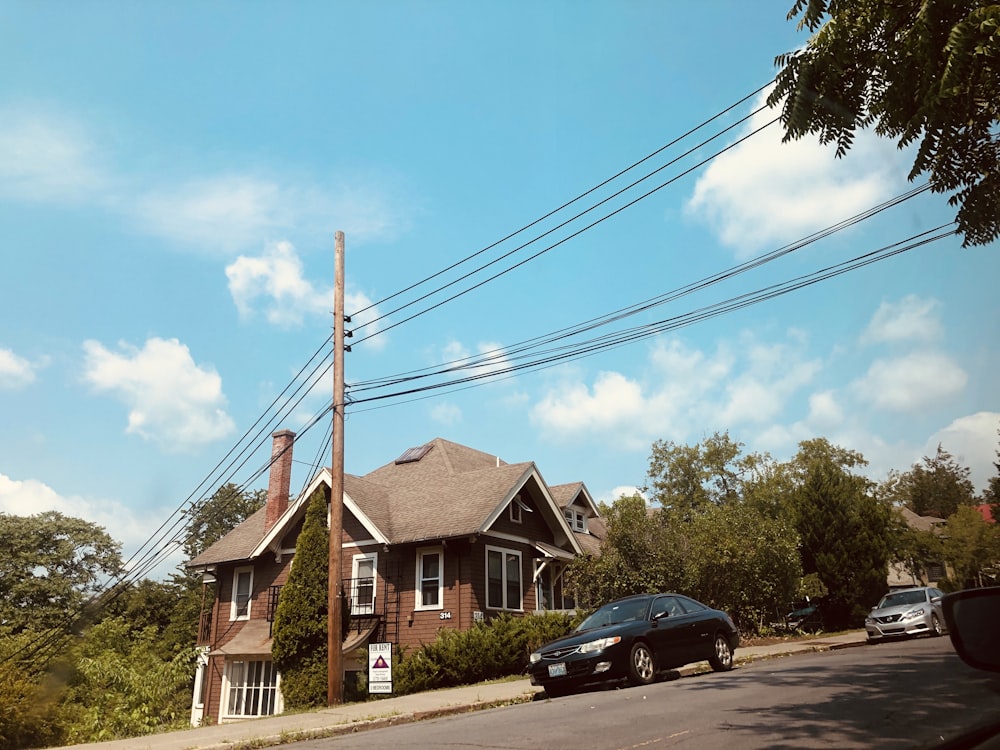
[{"x": 410, "y": 455}]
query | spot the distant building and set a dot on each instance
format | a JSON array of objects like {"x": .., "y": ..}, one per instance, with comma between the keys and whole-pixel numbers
[{"x": 932, "y": 572}]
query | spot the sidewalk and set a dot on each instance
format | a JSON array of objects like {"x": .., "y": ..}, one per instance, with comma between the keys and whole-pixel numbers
[{"x": 355, "y": 717}]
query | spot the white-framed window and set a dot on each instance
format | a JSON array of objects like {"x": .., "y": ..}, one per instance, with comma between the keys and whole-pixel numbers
[
  {"x": 430, "y": 578},
  {"x": 251, "y": 689},
  {"x": 503, "y": 579},
  {"x": 576, "y": 519},
  {"x": 515, "y": 509},
  {"x": 242, "y": 594},
  {"x": 363, "y": 571}
]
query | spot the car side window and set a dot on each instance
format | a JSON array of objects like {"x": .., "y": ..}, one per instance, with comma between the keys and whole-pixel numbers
[
  {"x": 663, "y": 606},
  {"x": 689, "y": 605}
]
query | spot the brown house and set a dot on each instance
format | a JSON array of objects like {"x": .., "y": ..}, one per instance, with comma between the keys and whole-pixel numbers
[{"x": 444, "y": 536}]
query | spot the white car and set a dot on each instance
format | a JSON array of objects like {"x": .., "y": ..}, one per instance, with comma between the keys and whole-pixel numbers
[{"x": 915, "y": 611}]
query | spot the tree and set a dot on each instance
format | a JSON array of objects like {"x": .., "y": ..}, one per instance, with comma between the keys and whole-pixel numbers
[
  {"x": 51, "y": 567},
  {"x": 844, "y": 530},
  {"x": 215, "y": 517},
  {"x": 687, "y": 478},
  {"x": 27, "y": 707},
  {"x": 723, "y": 534},
  {"x": 920, "y": 71},
  {"x": 991, "y": 495},
  {"x": 743, "y": 561},
  {"x": 121, "y": 687},
  {"x": 971, "y": 546},
  {"x": 299, "y": 646},
  {"x": 937, "y": 487},
  {"x": 639, "y": 554}
]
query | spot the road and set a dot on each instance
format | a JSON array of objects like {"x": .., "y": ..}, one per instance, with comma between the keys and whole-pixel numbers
[{"x": 894, "y": 695}]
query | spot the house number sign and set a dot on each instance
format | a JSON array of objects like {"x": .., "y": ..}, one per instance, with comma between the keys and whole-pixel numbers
[{"x": 445, "y": 615}]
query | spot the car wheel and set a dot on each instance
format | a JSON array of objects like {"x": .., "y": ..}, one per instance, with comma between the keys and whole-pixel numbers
[
  {"x": 936, "y": 628},
  {"x": 722, "y": 660},
  {"x": 641, "y": 669}
]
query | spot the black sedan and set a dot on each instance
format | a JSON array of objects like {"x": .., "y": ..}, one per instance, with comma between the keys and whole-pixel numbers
[{"x": 633, "y": 639}]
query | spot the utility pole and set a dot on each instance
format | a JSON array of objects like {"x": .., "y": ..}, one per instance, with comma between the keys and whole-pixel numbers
[{"x": 335, "y": 656}]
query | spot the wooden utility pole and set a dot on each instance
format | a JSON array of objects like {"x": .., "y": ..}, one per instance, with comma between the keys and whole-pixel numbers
[{"x": 335, "y": 656}]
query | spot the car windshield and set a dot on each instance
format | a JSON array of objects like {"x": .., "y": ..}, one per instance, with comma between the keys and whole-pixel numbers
[
  {"x": 902, "y": 597},
  {"x": 614, "y": 613}
]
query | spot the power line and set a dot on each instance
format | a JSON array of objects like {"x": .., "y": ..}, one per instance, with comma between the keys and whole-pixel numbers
[
  {"x": 626, "y": 336},
  {"x": 574, "y": 234},
  {"x": 486, "y": 358},
  {"x": 568, "y": 203}
]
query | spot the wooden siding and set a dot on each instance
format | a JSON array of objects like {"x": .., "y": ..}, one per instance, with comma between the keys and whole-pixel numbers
[
  {"x": 463, "y": 584},
  {"x": 532, "y": 525},
  {"x": 353, "y": 530}
]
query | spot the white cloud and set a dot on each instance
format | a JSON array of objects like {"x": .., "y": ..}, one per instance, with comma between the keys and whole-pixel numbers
[
  {"x": 908, "y": 383},
  {"x": 231, "y": 212},
  {"x": 824, "y": 410},
  {"x": 170, "y": 398},
  {"x": 764, "y": 192},
  {"x": 760, "y": 393},
  {"x": 613, "y": 404},
  {"x": 29, "y": 497},
  {"x": 973, "y": 441},
  {"x": 47, "y": 159},
  {"x": 224, "y": 213},
  {"x": 911, "y": 319},
  {"x": 275, "y": 280},
  {"x": 623, "y": 490},
  {"x": 681, "y": 386},
  {"x": 15, "y": 372},
  {"x": 447, "y": 414}
]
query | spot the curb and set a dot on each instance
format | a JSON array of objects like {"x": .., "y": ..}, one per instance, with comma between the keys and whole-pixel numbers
[{"x": 354, "y": 727}]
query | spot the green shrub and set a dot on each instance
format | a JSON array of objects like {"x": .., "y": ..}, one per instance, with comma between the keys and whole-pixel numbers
[{"x": 487, "y": 651}]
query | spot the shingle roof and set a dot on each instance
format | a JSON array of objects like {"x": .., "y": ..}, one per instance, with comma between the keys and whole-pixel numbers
[
  {"x": 921, "y": 523},
  {"x": 451, "y": 491},
  {"x": 564, "y": 494},
  {"x": 238, "y": 544}
]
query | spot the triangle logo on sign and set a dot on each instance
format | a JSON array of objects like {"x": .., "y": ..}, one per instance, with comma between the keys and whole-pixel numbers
[{"x": 380, "y": 663}]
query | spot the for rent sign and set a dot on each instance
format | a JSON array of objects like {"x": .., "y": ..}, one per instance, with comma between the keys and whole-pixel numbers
[{"x": 379, "y": 667}]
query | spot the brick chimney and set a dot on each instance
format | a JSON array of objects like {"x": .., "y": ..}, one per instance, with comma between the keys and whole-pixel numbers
[{"x": 280, "y": 478}]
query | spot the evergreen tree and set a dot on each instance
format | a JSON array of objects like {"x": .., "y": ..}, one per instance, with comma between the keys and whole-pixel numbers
[
  {"x": 844, "y": 530},
  {"x": 299, "y": 648}
]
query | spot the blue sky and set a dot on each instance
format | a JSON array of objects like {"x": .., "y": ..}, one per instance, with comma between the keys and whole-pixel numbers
[{"x": 172, "y": 175}]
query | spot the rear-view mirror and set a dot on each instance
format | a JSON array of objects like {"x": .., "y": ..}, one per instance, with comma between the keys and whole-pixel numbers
[{"x": 973, "y": 620}]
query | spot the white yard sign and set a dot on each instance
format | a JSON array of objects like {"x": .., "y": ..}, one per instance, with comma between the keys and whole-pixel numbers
[{"x": 379, "y": 667}]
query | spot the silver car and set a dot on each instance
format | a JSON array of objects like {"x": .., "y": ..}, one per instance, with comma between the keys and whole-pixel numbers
[{"x": 915, "y": 611}]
